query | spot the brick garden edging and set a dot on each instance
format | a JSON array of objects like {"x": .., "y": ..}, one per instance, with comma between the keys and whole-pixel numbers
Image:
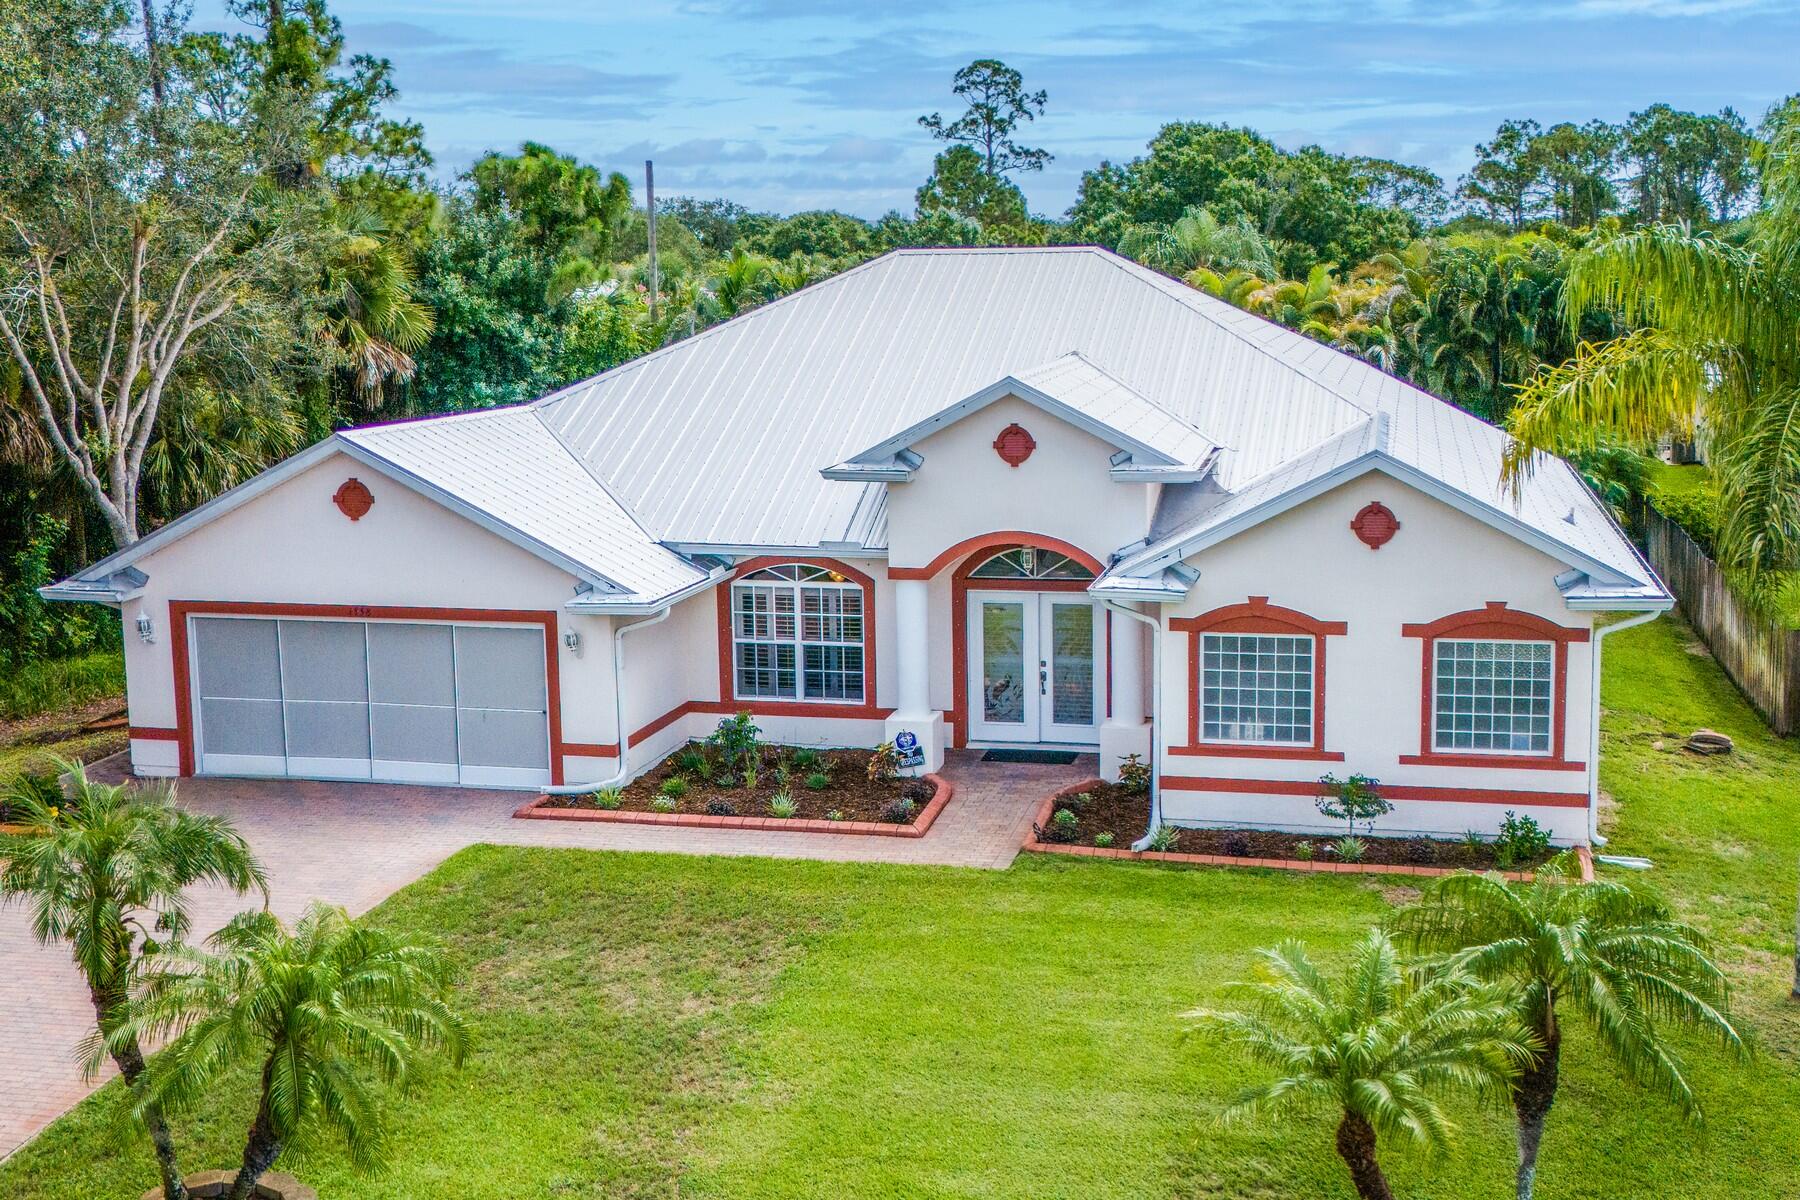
[
  {"x": 1042, "y": 818},
  {"x": 540, "y": 810}
]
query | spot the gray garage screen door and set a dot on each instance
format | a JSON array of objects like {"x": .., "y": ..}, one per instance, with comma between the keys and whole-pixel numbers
[{"x": 388, "y": 700}]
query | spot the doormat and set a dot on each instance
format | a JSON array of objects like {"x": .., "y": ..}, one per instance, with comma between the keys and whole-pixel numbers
[{"x": 1054, "y": 758}]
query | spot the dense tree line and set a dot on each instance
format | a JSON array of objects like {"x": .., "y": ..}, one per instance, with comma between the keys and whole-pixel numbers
[{"x": 218, "y": 248}]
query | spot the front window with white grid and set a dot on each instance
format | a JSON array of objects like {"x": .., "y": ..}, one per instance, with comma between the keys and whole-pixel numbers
[
  {"x": 1256, "y": 688},
  {"x": 797, "y": 633},
  {"x": 1493, "y": 697}
]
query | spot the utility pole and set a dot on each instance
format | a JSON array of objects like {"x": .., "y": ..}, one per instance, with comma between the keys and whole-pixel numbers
[{"x": 650, "y": 224}]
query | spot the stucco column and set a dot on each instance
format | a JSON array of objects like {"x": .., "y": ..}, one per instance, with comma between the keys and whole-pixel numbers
[
  {"x": 1125, "y": 731},
  {"x": 912, "y": 670}
]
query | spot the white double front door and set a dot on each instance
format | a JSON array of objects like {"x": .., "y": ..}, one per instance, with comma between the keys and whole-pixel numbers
[{"x": 1035, "y": 669}]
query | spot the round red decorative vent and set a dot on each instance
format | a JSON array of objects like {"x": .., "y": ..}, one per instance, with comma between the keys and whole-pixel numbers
[
  {"x": 1375, "y": 525},
  {"x": 353, "y": 499},
  {"x": 1014, "y": 444}
]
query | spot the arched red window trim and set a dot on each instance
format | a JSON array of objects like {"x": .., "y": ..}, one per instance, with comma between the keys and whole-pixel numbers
[
  {"x": 1257, "y": 615},
  {"x": 994, "y": 543},
  {"x": 800, "y": 708},
  {"x": 1496, "y": 622}
]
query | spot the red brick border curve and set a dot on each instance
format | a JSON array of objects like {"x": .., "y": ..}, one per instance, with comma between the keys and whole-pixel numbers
[
  {"x": 1042, "y": 818},
  {"x": 539, "y": 810}
]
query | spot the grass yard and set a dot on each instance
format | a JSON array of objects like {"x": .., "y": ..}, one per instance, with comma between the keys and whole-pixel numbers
[
  {"x": 45, "y": 706},
  {"x": 654, "y": 1026}
]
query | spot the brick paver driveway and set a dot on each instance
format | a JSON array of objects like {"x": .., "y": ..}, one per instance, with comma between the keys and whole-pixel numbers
[{"x": 353, "y": 844}]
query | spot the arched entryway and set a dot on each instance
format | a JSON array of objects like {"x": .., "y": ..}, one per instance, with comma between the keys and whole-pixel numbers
[{"x": 1029, "y": 645}]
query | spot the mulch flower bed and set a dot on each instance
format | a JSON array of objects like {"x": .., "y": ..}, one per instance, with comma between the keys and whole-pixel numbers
[
  {"x": 830, "y": 789},
  {"x": 1111, "y": 809}
]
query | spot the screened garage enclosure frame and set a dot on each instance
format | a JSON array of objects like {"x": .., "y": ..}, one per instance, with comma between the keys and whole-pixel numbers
[{"x": 327, "y": 696}]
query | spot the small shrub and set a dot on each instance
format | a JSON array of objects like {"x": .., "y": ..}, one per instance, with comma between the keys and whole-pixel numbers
[
  {"x": 1695, "y": 510},
  {"x": 691, "y": 761},
  {"x": 736, "y": 742},
  {"x": 836, "y": 814},
  {"x": 1061, "y": 829},
  {"x": 1066, "y": 821},
  {"x": 725, "y": 779},
  {"x": 1103, "y": 840},
  {"x": 1521, "y": 840},
  {"x": 1421, "y": 852},
  {"x": 1304, "y": 851},
  {"x": 674, "y": 787},
  {"x": 1165, "y": 839},
  {"x": 1350, "y": 848},
  {"x": 919, "y": 791},
  {"x": 1078, "y": 802},
  {"x": 806, "y": 758},
  {"x": 1357, "y": 798},
  {"x": 750, "y": 775},
  {"x": 818, "y": 781},
  {"x": 1236, "y": 844},
  {"x": 718, "y": 806},
  {"x": 782, "y": 805},
  {"x": 662, "y": 804},
  {"x": 608, "y": 798},
  {"x": 1473, "y": 845},
  {"x": 884, "y": 764},
  {"x": 1134, "y": 775},
  {"x": 898, "y": 811}
]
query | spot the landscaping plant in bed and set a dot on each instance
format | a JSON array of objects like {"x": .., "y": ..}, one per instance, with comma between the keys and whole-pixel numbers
[
  {"x": 1115, "y": 815},
  {"x": 734, "y": 774}
]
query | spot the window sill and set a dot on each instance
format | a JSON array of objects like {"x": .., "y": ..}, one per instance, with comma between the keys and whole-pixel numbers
[
  {"x": 1234, "y": 750},
  {"x": 1499, "y": 762}
]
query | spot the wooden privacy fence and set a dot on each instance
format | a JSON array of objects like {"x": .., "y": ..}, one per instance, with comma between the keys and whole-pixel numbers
[{"x": 1761, "y": 657}]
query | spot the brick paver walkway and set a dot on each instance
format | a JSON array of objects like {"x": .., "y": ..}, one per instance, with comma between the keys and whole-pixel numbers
[{"x": 353, "y": 844}]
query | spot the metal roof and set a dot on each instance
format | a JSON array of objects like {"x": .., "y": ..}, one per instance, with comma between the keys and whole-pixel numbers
[
  {"x": 1156, "y": 443},
  {"x": 507, "y": 464},
  {"x": 718, "y": 440}
]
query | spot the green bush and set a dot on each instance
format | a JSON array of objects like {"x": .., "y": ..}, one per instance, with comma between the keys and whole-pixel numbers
[
  {"x": 806, "y": 758},
  {"x": 1521, "y": 840},
  {"x": 1103, "y": 840},
  {"x": 675, "y": 787},
  {"x": 1696, "y": 510},
  {"x": 663, "y": 804},
  {"x": 1165, "y": 839},
  {"x": 691, "y": 761},
  {"x": 608, "y": 798},
  {"x": 782, "y": 805},
  {"x": 897, "y": 811},
  {"x": 1350, "y": 849},
  {"x": 60, "y": 683},
  {"x": 1134, "y": 775},
  {"x": 818, "y": 781}
]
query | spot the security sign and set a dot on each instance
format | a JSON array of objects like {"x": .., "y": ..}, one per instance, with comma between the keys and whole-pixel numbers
[{"x": 907, "y": 750}]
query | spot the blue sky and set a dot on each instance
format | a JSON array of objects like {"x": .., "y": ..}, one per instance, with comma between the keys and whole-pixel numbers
[{"x": 793, "y": 104}]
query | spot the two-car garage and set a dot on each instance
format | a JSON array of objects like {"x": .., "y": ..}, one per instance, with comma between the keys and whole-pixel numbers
[{"x": 410, "y": 701}]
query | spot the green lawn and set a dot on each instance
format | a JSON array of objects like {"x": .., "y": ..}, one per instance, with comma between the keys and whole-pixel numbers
[{"x": 654, "y": 1026}]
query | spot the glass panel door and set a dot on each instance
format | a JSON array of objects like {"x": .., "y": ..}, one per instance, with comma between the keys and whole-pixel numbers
[
  {"x": 1004, "y": 681},
  {"x": 1070, "y": 669}
]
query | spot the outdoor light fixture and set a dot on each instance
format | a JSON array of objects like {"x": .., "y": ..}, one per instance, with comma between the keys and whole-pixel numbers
[
  {"x": 146, "y": 629},
  {"x": 572, "y": 640}
]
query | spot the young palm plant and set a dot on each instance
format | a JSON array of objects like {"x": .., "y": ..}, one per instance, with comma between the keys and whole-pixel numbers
[
  {"x": 104, "y": 873},
  {"x": 1600, "y": 952},
  {"x": 323, "y": 1010},
  {"x": 1378, "y": 1046},
  {"x": 1711, "y": 344}
]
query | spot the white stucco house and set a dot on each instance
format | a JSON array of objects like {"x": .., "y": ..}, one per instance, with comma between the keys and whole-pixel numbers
[{"x": 986, "y": 496}]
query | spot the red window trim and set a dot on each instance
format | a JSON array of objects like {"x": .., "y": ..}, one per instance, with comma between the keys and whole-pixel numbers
[
  {"x": 796, "y": 707},
  {"x": 1257, "y": 616},
  {"x": 976, "y": 551},
  {"x": 1390, "y": 791},
  {"x": 1495, "y": 622},
  {"x": 181, "y": 610}
]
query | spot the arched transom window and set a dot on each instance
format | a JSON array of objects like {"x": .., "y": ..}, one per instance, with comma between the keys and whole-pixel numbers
[
  {"x": 797, "y": 634},
  {"x": 1028, "y": 562}
]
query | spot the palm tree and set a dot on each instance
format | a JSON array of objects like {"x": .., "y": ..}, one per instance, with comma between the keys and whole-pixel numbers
[
  {"x": 1607, "y": 954},
  {"x": 1378, "y": 1046},
  {"x": 743, "y": 281},
  {"x": 1199, "y": 239},
  {"x": 373, "y": 320},
  {"x": 1712, "y": 342},
  {"x": 321, "y": 1009},
  {"x": 104, "y": 872}
]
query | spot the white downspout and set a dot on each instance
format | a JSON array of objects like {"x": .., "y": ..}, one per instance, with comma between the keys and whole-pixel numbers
[
  {"x": 618, "y": 669},
  {"x": 1593, "y": 780},
  {"x": 1156, "y": 700}
]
